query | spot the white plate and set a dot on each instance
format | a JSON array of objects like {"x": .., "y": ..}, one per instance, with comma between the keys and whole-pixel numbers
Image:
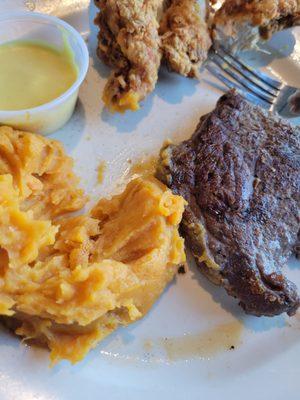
[{"x": 133, "y": 362}]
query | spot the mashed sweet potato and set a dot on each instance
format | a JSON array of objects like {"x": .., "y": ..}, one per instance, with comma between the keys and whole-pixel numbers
[
  {"x": 71, "y": 281},
  {"x": 42, "y": 172}
]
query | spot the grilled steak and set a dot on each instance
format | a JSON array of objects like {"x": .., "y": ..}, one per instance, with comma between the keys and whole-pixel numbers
[{"x": 240, "y": 176}]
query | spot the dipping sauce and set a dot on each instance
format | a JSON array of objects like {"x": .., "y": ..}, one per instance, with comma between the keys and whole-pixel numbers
[{"x": 33, "y": 73}]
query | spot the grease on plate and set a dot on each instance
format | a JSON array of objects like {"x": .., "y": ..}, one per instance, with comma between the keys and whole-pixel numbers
[
  {"x": 204, "y": 344},
  {"x": 144, "y": 167},
  {"x": 100, "y": 172},
  {"x": 148, "y": 345}
]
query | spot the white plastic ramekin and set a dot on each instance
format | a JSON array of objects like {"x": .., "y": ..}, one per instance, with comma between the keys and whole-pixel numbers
[{"x": 51, "y": 116}]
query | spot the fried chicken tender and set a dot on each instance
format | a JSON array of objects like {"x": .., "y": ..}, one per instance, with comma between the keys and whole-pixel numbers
[
  {"x": 242, "y": 23},
  {"x": 185, "y": 37},
  {"x": 130, "y": 43}
]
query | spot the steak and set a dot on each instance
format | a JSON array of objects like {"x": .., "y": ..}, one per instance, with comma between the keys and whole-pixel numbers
[{"x": 239, "y": 173}]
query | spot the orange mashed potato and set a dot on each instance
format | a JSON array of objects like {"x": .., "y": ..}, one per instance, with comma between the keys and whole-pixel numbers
[{"x": 67, "y": 282}]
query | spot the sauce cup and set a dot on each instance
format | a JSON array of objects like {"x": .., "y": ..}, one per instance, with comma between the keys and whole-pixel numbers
[{"x": 50, "y": 30}]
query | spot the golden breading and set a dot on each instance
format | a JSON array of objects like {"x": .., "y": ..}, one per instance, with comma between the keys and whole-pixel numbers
[
  {"x": 129, "y": 42},
  {"x": 67, "y": 283},
  {"x": 243, "y": 23},
  {"x": 185, "y": 37},
  {"x": 132, "y": 43}
]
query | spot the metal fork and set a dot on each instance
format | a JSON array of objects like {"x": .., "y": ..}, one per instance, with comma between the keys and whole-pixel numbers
[{"x": 254, "y": 85}]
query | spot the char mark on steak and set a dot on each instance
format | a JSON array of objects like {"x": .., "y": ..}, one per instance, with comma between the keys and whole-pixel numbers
[{"x": 240, "y": 176}]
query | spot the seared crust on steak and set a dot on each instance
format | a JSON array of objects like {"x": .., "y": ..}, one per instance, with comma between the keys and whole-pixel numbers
[{"x": 240, "y": 176}]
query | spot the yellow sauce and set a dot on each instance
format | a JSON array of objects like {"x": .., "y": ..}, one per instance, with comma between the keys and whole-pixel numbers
[{"x": 32, "y": 74}]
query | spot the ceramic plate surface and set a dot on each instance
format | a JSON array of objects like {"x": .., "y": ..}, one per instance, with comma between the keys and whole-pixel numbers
[{"x": 180, "y": 350}]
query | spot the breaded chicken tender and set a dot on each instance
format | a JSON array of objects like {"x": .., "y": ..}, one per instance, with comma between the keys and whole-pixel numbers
[
  {"x": 185, "y": 37},
  {"x": 239, "y": 24},
  {"x": 136, "y": 35},
  {"x": 130, "y": 43}
]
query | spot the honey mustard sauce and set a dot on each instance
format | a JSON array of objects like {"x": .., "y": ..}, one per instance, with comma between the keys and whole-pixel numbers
[{"x": 33, "y": 73}]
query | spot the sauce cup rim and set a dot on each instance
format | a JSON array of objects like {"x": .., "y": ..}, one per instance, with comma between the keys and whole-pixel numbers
[{"x": 15, "y": 15}]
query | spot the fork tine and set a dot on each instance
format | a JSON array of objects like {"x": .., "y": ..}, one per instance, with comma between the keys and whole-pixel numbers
[
  {"x": 255, "y": 82},
  {"x": 247, "y": 70},
  {"x": 217, "y": 72},
  {"x": 239, "y": 78}
]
